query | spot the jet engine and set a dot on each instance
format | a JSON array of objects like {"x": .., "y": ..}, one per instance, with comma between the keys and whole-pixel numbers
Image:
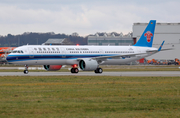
[
  {"x": 52, "y": 67},
  {"x": 88, "y": 64}
]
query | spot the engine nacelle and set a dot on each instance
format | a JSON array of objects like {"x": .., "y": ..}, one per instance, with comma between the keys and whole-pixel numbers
[
  {"x": 88, "y": 64},
  {"x": 52, "y": 67}
]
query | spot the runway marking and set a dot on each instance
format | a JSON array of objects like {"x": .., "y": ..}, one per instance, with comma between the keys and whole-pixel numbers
[{"x": 130, "y": 73}]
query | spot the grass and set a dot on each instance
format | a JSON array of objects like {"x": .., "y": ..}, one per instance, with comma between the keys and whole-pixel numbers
[{"x": 99, "y": 97}]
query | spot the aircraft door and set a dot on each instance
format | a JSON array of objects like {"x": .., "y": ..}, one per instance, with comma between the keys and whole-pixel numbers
[
  {"x": 101, "y": 52},
  {"x": 138, "y": 51},
  {"x": 63, "y": 51},
  {"x": 31, "y": 55},
  {"x": 31, "y": 52}
]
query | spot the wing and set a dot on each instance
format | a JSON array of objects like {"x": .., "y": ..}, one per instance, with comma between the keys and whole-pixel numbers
[
  {"x": 102, "y": 59},
  {"x": 116, "y": 56}
]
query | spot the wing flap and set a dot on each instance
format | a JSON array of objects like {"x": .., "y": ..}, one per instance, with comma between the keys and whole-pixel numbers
[{"x": 116, "y": 56}]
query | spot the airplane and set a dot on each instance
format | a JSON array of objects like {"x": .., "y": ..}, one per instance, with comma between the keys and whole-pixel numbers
[{"x": 87, "y": 58}]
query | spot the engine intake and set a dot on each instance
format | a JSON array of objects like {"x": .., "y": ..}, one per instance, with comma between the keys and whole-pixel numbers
[
  {"x": 88, "y": 64},
  {"x": 52, "y": 67}
]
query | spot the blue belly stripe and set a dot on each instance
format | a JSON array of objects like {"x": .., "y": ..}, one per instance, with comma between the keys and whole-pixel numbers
[{"x": 12, "y": 58}]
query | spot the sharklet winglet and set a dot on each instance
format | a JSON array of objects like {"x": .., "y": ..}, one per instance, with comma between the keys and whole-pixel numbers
[{"x": 161, "y": 46}]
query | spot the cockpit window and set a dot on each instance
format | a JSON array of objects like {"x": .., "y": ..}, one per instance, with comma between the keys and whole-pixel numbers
[
  {"x": 14, "y": 51},
  {"x": 17, "y": 51}
]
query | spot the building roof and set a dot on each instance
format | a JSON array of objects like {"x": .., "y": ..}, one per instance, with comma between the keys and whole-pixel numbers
[
  {"x": 54, "y": 41},
  {"x": 158, "y": 23}
]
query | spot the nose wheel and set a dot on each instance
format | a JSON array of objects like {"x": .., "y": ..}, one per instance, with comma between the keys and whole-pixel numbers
[{"x": 26, "y": 69}]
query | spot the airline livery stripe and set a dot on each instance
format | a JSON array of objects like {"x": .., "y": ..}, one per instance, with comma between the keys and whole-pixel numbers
[{"x": 35, "y": 57}]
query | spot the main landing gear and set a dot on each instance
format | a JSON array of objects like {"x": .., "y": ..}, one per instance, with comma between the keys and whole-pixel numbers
[
  {"x": 74, "y": 70},
  {"x": 98, "y": 70},
  {"x": 26, "y": 69}
]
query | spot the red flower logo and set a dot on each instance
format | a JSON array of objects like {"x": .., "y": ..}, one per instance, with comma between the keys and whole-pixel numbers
[{"x": 148, "y": 34}]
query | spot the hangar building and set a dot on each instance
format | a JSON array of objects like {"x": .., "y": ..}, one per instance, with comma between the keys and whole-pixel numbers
[
  {"x": 170, "y": 32},
  {"x": 110, "y": 39}
]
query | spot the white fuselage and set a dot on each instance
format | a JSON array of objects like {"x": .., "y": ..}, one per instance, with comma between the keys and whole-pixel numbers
[{"x": 69, "y": 55}]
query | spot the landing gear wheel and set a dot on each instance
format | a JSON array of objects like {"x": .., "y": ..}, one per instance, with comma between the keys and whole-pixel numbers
[
  {"x": 26, "y": 71},
  {"x": 74, "y": 70},
  {"x": 98, "y": 70}
]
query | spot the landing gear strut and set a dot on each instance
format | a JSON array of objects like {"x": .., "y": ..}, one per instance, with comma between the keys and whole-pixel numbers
[
  {"x": 74, "y": 70},
  {"x": 98, "y": 70},
  {"x": 26, "y": 69}
]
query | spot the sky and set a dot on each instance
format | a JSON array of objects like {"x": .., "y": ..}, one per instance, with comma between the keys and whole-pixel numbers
[{"x": 83, "y": 16}]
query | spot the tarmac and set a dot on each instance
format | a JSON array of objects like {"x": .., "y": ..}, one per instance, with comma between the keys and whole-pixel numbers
[{"x": 138, "y": 74}]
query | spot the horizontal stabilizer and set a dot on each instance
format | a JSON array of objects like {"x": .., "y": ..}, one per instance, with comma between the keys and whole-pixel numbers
[
  {"x": 164, "y": 49},
  {"x": 167, "y": 49}
]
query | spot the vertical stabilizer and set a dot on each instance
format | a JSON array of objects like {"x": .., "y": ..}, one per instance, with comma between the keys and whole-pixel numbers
[{"x": 146, "y": 38}]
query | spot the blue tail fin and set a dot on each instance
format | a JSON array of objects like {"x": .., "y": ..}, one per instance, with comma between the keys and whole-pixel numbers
[{"x": 146, "y": 38}]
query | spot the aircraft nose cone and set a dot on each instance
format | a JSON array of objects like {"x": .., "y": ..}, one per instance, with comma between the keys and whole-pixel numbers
[{"x": 7, "y": 58}]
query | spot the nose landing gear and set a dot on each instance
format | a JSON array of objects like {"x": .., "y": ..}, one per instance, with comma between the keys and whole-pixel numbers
[{"x": 26, "y": 69}]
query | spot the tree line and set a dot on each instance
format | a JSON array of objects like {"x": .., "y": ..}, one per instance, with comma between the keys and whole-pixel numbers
[{"x": 31, "y": 38}]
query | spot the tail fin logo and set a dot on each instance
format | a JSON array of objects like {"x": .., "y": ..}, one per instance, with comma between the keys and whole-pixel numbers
[{"x": 148, "y": 34}]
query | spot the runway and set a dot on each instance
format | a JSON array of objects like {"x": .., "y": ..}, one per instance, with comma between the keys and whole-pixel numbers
[{"x": 138, "y": 73}]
